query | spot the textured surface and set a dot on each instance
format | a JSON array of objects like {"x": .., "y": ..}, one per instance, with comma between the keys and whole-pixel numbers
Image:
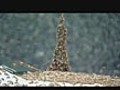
[
  {"x": 73, "y": 78},
  {"x": 8, "y": 79}
]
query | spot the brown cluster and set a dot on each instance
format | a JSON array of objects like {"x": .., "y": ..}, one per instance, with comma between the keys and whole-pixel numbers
[{"x": 60, "y": 58}]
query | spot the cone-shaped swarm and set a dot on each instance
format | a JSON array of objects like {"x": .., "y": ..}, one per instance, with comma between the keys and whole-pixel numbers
[{"x": 60, "y": 60}]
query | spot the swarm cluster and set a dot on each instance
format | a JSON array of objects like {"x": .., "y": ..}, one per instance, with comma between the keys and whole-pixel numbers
[{"x": 60, "y": 58}]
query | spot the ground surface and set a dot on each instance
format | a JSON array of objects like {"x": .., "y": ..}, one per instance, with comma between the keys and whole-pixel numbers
[
  {"x": 9, "y": 79},
  {"x": 56, "y": 78},
  {"x": 73, "y": 78}
]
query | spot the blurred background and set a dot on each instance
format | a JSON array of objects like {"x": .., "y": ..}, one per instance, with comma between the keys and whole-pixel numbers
[{"x": 93, "y": 40}]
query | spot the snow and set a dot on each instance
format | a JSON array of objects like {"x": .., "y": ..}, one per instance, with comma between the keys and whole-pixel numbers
[{"x": 9, "y": 79}]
